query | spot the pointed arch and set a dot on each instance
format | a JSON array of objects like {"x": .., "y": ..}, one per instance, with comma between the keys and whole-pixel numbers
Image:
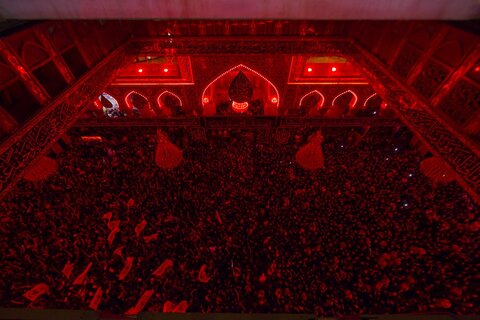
[
  {"x": 205, "y": 100},
  {"x": 130, "y": 103},
  {"x": 135, "y": 108},
  {"x": 313, "y": 92},
  {"x": 371, "y": 106},
  {"x": 159, "y": 98},
  {"x": 33, "y": 53},
  {"x": 352, "y": 105},
  {"x": 110, "y": 106},
  {"x": 369, "y": 98}
]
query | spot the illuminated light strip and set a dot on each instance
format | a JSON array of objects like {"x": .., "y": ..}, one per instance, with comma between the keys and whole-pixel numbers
[
  {"x": 313, "y": 92},
  {"x": 144, "y": 84},
  {"x": 173, "y": 94},
  {"x": 341, "y": 94},
  {"x": 249, "y": 69},
  {"x": 368, "y": 99},
  {"x": 130, "y": 105},
  {"x": 326, "y": 83},
  {"x": 91, "y": 138},
  {"x": 240, "y": 106}
]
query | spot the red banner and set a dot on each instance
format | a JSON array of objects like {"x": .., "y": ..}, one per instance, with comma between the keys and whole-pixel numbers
[
  {"x": 112, "y": 235},
  {"x": 81, "y": 278},
  {"x": 160, "y": 272},
  {"x": 181, "y": 307},
  {"x": 126, "y": 269},
  {"x": 36, "y": 291},
  {"x": 142, "y": 302},
  {"x": 97, "y": 298},
  {"x": 139, "y": 228},
  {"x": 169, "y": 306}
]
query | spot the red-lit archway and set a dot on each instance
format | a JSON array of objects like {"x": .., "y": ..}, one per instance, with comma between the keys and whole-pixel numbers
[
  {"x": 265, "y": 98},
  {"x": 138, "y": 103},
  {"x": 346, "y": 98},
  {"x": 371, "y": 100},
  {"x": 109, "y": 106},
  {"x": 370, "y": 107},
  {"x": 311, "y": 102},
  {"x": 342, "y": 105},
  {"x": 170, "y": 103}
]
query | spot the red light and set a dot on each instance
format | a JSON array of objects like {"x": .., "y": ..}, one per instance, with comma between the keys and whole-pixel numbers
[
  {"x": 314, "y": 92},
  {"x": 205, "y": 100},
  {"x": 334, "y": 69},
  {"x": 98, "y": 104},
  {"x": 274, "y": 100},
  {"x": 477, "y": 69},
  {"x": 140, "y": 70},
  {"x": 239, "y": 107},
  {"x": 309, "y": 69},
  {"x": 245, "y": 67},
  {"x": 91, "y": 138},
  {"x": 165, "y": 70}
]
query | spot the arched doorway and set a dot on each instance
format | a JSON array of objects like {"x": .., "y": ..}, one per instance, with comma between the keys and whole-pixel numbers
[
  {"x": 139, "y": 104},
  {"x": 170, "y": 103},
  {"x": 240, "y": 90},
  {"x": 311, "y": 103},
  {"x": 371, "y": 106},
  {"x": 110, "y": 106},
  {"x": 342, "y": 104}
]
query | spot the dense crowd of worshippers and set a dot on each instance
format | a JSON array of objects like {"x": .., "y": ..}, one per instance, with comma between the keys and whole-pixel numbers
[{"x": 239, "y": 227}]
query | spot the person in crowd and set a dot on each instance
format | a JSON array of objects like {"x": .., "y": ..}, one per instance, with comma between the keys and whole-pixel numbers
[{"x": 239, "y": 227}]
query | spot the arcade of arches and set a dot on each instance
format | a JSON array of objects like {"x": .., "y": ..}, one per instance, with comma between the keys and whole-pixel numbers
[
  {"x": 140, "y": 73},
  {"x": 294, "y": 118}
]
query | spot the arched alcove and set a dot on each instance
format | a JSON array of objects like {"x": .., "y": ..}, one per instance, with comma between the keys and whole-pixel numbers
[
  {"x": 264, "y": 99},
  {"x": 170, "y": 103},
  {"x": 371, "y": 106},
  {"x": 311, "y": 102},
  {"x": 342, "y": 104},
  {"x": 110, "y": 106},
  {"x": 346, "y": 98},
  {"x": 139, "y": 104}
]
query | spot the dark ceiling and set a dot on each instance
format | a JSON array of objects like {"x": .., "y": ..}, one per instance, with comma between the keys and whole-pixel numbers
[{"x": 242, "y": 9}]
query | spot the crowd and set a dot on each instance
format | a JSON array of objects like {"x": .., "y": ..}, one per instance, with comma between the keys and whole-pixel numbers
[{"x": 247, "y": 230}]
